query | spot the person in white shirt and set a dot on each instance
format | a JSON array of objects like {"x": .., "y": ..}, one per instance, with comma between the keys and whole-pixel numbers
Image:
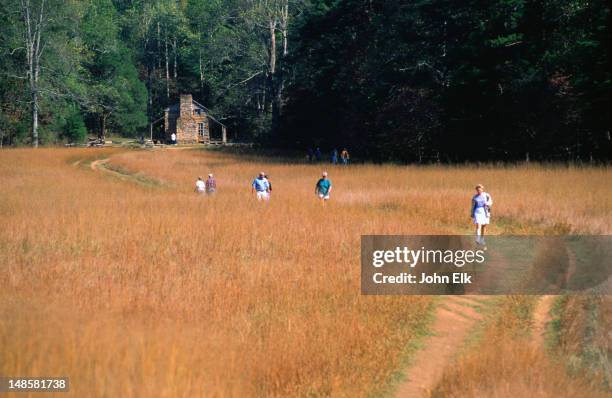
[
  {"x": 200, "y": 186},
  {"x": 173, "y": 138}
]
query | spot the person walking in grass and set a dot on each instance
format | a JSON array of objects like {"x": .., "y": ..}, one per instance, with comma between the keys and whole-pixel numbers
[
  {"x": 200, "y": 186},
  {"x": 344, "y": 156},
  {"x": 481, "y": 212},
  {"x": 310, "y": 155},
  {"x": 211, "y": 184},
  {"x": 269, "y": 185},
  {"x": 323, "y": 187},
  {"x": 261, "y": 187},
  {"x": 334, "y": 157}
]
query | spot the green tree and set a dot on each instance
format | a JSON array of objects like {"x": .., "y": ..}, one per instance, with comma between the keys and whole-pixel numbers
[
  {"x": 444, "y": 80},
  {"x": 116, "y": 97},
  {"x": 74, "y": 129}
]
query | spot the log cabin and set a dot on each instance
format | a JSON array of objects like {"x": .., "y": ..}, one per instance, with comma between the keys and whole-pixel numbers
[{"x": 191, "y": 122}]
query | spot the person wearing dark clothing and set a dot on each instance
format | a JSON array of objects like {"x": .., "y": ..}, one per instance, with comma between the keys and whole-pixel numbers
[
  {"x": 334, "y": 157},
  {"x": 269, "y": 185}
]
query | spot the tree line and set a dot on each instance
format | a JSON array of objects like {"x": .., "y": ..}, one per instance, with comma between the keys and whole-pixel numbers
[{"x": 407, "y": 81}]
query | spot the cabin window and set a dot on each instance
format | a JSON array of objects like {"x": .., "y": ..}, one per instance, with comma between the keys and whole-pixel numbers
[
  {"x": 201, "y": 129},
  {"x": 197, "y": 111}
]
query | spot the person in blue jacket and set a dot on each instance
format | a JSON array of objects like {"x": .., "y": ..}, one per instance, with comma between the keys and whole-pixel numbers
[{"x": 261, "y": 187}]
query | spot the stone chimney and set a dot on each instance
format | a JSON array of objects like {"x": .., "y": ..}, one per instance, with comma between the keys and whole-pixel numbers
[
  {"x": 186, "y": 127},
  {"x": 186, "y": 106}
]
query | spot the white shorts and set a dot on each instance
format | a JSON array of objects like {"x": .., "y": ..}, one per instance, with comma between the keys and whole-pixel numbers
[
  {"x": 481, "y": 217},
  {"x": 263, "y": 195},
  {"x": 325, "y": 197}
]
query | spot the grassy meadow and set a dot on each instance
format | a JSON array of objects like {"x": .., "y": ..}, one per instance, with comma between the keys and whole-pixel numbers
[
  {"x": 138, "y": 287},
  {"x": 504, "y": 361}
]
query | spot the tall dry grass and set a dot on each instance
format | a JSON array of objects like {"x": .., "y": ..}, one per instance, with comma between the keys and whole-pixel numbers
[
  {"x": 581, "y": 332},
  {"x": 135, "y": 291},
  {"x": 139, "y": 291},
  {"x": 506, "y": 362}
]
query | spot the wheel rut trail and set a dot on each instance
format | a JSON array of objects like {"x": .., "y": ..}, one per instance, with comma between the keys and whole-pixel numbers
[
  {"x": 100, "y": 165},
  {"x": 541, "y": 318},
  {"x": 541, "y": 313},
  {"x": 455, "y": 318},
  {"x": 95, "y": 165}
]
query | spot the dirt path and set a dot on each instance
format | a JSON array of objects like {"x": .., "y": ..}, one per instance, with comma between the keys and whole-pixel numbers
[
  {"x": 100, "y": 166},
  {"x": 541, "y": 313},
  {"x": 95, "y": 165},
  {"x": 456, "y": 317},
  {"x": 541, "y": 318}
]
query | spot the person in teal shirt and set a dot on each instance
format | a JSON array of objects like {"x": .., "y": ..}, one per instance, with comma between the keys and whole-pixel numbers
[{"x": 323, "y": 187}]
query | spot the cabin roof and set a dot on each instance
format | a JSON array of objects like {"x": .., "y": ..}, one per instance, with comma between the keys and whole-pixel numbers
[{"x": 176, "y": 109}]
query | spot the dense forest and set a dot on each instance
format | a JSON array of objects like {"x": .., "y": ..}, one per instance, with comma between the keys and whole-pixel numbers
[{"x": 408, "y": 81}]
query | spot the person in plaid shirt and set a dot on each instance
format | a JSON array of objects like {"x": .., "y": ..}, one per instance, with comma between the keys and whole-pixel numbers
[{"x": 211, "y": 184}]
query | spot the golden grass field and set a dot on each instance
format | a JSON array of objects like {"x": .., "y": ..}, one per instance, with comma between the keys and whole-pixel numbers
[
  {"x": 149, "y": 290},
  {"x": 505, "y": 362}
]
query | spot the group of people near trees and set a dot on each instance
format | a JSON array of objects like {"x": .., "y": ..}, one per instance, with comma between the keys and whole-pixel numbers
[
  {"x": 335, "y": 157},
  {"x": 480, "y": 210}
]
